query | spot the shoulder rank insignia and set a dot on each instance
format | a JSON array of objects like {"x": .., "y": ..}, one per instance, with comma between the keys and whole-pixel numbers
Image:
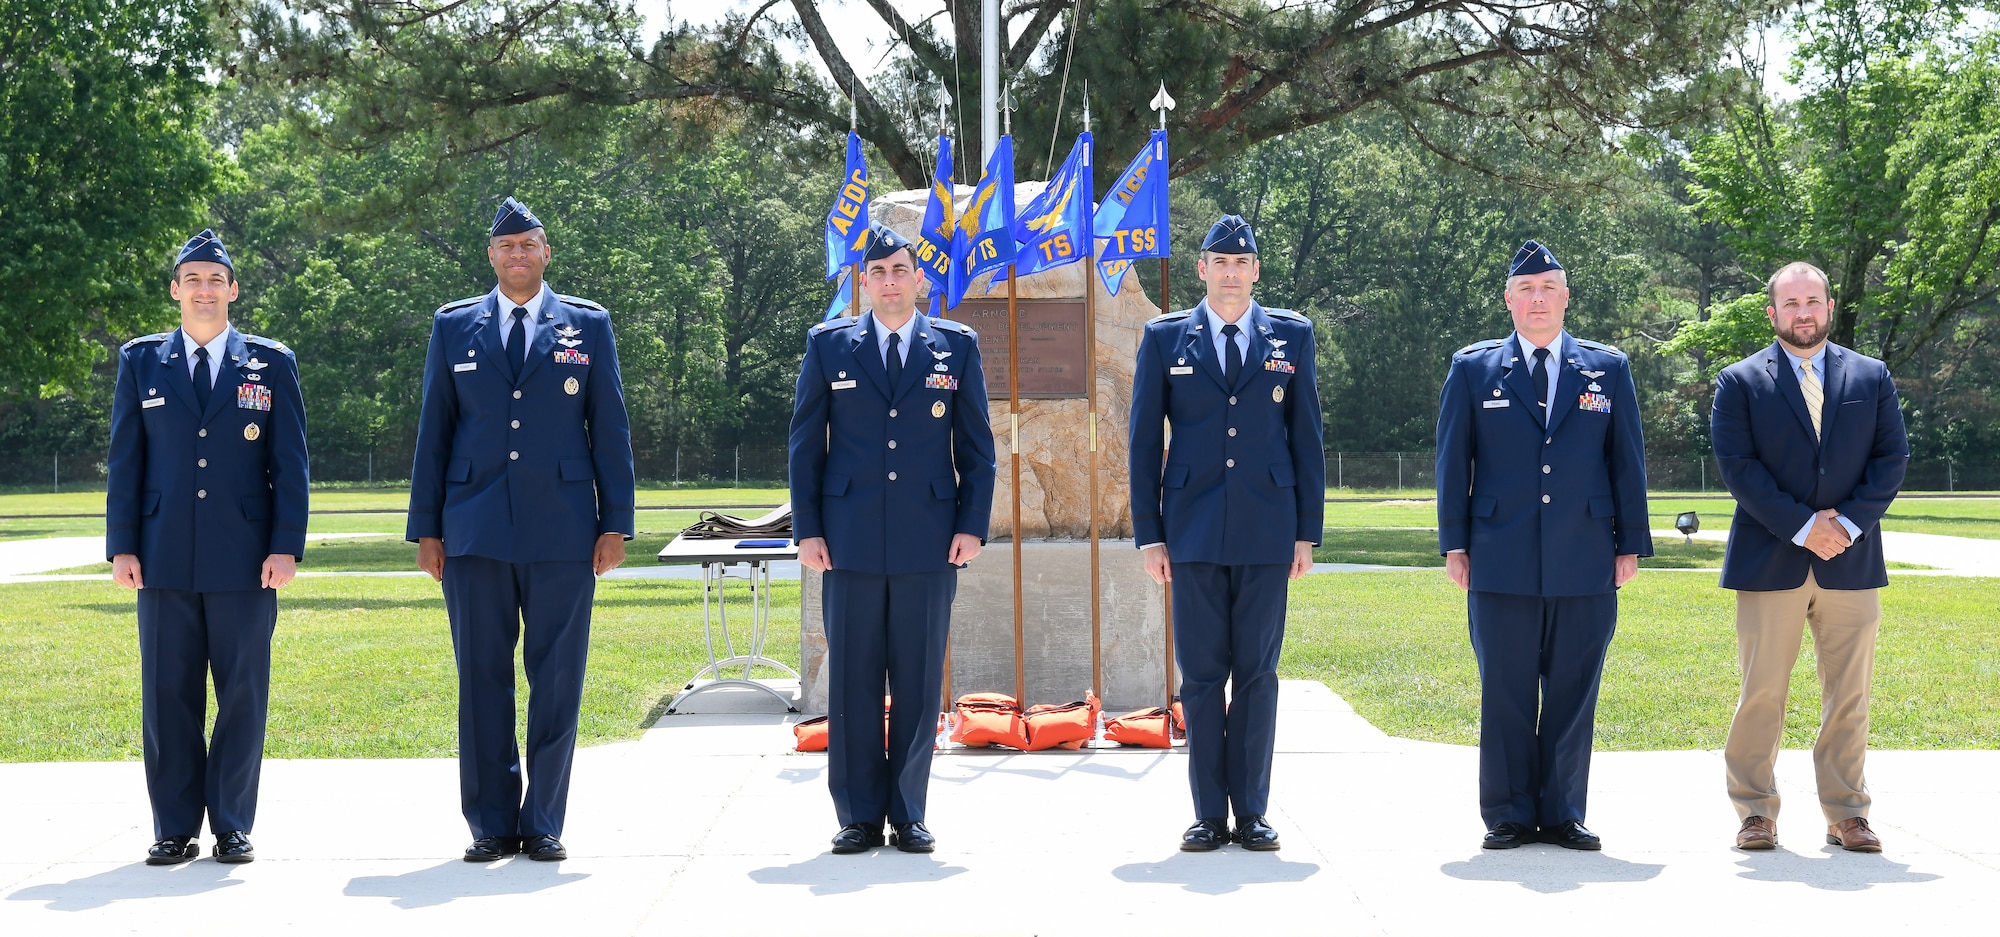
[
  {"x": 147, "y": 339},
  {"x": 1481, "y": 345},
  {"x": 460, "y": 303},
  {"x": 1600, "y": 346},
  {"x": 579, "y": 301}
]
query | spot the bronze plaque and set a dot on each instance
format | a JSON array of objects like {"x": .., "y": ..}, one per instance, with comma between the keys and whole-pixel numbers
[{"x": 1052, "y": 345}]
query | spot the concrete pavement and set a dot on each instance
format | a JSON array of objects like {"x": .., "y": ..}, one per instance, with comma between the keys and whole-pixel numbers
[{"x": 709, "y": 825}]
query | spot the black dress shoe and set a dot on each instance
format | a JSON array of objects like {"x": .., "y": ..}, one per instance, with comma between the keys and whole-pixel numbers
[
  {"x": 1254, "y": 834},
  {"x": 234, "y": 848},
  {"x": 490, "y": 848},
  {"x": 857, "y": 837},
  {"x": 1508, "y": 835},
  {"x": 913, "y": 837},
  {"x": 1570, "y": 834},
  {"x": 544, "y": 848},
  {"x": 1206, "y": 835},
  {"x": 173, "y": 850}
]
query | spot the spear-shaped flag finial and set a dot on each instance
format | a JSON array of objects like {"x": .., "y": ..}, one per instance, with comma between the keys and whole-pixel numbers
[
  {"x": 1162, "y": 102},
  {"x": 1086, "y": 105},
  {"x": 944, "y": 111},
  {"x": 1007, "y": 110}
]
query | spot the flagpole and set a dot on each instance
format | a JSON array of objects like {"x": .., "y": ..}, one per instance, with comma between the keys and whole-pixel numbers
[
  {"x": 1164, "y": 103},
  {"x": 1014, "y": 449},
  {"x": 1090, "y": 382}
]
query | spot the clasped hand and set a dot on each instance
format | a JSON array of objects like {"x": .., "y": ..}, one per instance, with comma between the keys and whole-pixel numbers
[{"x": 1828, "y": 537}]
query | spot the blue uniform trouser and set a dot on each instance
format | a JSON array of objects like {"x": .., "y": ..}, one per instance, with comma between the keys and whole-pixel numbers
[
  {"x": 1539, "y": 663},
  {"x": 184, "y": 637},
  {"x": 881, "y": 628},
  {"x": 490, "y": 602},
  {"x": 1229, "y": 626}
]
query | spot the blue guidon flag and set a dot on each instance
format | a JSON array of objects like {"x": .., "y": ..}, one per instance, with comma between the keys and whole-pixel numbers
[
  {"x": 847, "y": 221},
  {"x": 1133, "y": 219},
  {"x": 1054, "y": 230},
  {"x": 985, "y": 237}
]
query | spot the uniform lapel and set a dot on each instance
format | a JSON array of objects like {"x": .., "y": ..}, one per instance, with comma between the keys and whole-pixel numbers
[
  {"x": 486, "y": 332},
  {"x": 178, "y": 381},
  {"x": 923, "y": 360},
  {"x": 545, "y": 337},
  {"x": 1202, "y": 345},
  {"x": 1516, "y": 378},
  {"x": 1259, "y": 326},
  {"x": 1569, "y": 383},
  {"x": 868, "y": 356},
  {"x": 1779, "y": 366},
  {"x": 228, "y": 375}
]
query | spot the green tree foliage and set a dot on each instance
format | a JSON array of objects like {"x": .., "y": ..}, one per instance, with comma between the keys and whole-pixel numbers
[
  {"x": 1245, "y": 71},
  {"x": 103, "y": 172}
]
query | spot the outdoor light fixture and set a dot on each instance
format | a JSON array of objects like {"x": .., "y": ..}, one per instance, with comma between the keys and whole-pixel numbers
[{"x": 1687, "y": 523}]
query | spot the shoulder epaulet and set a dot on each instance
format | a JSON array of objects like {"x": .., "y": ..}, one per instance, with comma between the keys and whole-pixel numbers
[
  {"x": 1480, "y": 346},
  {"x": 580, "y": 301},
  {"x": 460, "y": 303},
  {"x": 952, "y": 325},
  {"x": 1599, "y": 346},
  {"x": 263, "y": 342},
  {"x": 147, "y": 339},
  {"x": 1170, "y": 316},
  {"x": 832, "y": 323},
  {"x": 1286, "y": 314}
]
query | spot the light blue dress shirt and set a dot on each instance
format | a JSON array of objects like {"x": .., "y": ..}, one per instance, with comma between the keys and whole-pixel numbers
[
  {"x": 882, "y": 333},
  {"x": 506, "y": 317},
  {"x": 216, "y": 346}
]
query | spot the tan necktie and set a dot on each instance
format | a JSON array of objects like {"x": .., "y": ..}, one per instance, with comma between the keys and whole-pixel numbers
[{"x": 1809, "y": 385}]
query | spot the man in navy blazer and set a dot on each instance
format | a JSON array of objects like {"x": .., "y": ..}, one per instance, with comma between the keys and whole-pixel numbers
[
  {"x": 523, "y": 480},
  {"x": 1809, "y": 437},
  {"x": 1229, "y": 515},
  {"x": 892, "y": 490},
  {"x": 1541, "y": 501},
  {"x": 205, "y": 515}
]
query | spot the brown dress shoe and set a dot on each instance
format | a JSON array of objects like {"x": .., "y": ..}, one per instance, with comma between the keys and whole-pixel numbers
[
  {"x": 1853, "y": 835},
  {"x": 1757, "y": 833}
]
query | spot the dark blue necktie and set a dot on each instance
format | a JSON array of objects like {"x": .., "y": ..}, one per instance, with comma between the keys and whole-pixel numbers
[
  {"x": 1232, "y": 358},
  {"x": 517, "y": 340},
  {"x": 204, "y": 380},
  {"x": 895, "y": 360},
  {"x": 1540, "y": 372}
]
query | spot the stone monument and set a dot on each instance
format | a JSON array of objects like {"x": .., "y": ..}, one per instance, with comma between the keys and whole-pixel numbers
[{"x": 1055, "y": 500}]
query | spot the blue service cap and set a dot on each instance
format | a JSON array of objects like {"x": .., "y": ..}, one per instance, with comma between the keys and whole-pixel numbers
[
  {"x": 882, "y": 241},
  {"x": 1231, "y": 235},
  {"x": 1532, "y": 258},
  {"x": 207, "y": 247},
  {"x": 513, "y": 218}
]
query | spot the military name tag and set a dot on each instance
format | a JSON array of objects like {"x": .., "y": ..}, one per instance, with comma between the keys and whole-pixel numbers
[
  {"x": 571, "y": 356},
  {"x": 152, "y": 402},
  {"x": 1596, "y": 403},
  {"x": 1180, "y": 370},
  {"x": 466, "y": 366},
  {"x": 843, "y": 385},
  {"x": 1284, "y": 367},
  {"x": 570, "y": 386},
  {"x": 1496, "y": 404},
  {"x": 253, "y": 397}
]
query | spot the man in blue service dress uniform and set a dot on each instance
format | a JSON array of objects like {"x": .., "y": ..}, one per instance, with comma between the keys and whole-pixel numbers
[
  {"x": 1541, "y": 481},
  {"x": 205, "y": 515},
  {"x": 1226, "y": 515},
  {"x": 892, "y": 489},
  {"x": 522, "y": 492}
]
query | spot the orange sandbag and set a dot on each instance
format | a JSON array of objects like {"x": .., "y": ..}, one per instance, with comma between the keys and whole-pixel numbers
[
  {"x": 1180, "y": 720},
  {"x": 990, "y": 719},
  {"x": 811, "y": 734},
  {"x": 1066, "y": 724},
  {"x": 1145, "y": 728}
]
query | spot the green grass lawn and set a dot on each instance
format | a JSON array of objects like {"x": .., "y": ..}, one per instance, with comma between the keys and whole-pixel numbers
[
  {"x": 361, "y": 668},
  {"x": 1395, "y": 646}
]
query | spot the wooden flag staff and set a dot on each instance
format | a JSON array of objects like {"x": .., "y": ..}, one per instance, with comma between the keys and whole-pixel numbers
[{"x": 1163, "y": 103}]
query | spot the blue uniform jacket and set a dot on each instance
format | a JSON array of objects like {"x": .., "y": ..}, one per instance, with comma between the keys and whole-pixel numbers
[
  {"x": 1541, "y": 511},
  {"x": 1245, "y": 478},
  {"x": 1781, "y": 476},
  {"x": 888, "y": 475},
  {"x": 203, "y": 497},
  {"x": 530, "y": 470}
]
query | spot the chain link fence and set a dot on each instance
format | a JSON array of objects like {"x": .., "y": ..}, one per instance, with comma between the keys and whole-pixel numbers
[{"x": 765, "y": 466}]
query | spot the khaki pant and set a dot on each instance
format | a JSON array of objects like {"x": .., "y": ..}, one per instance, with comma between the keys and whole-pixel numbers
[{"x": 1769, "y": 629}]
